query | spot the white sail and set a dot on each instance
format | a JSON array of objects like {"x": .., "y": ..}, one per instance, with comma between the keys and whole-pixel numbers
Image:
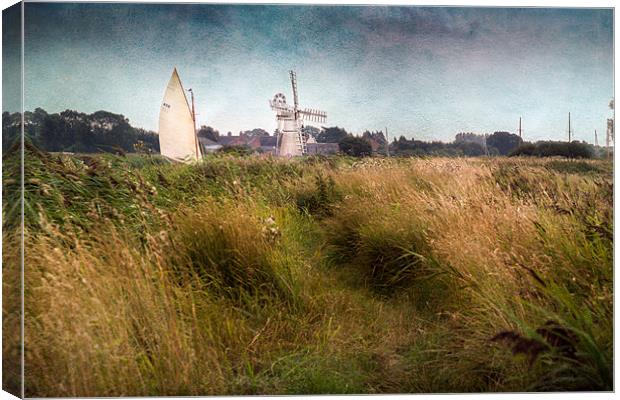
[{"x": 177, "y": 135}]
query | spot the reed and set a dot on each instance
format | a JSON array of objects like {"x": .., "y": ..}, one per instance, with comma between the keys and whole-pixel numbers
[{"x": 322, "y": 275}]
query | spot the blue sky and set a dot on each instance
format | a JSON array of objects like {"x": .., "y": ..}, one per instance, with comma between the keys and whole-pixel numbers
[{"x": 426, "y": 73}]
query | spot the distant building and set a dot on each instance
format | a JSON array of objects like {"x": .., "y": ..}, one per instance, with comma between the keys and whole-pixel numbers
[
  {"x": 233, "y": 140},
  {"x": 376, "y": 139},
  {"x": 262, "y": 143},
  {"x": 208, "y": 145},
  {"x": 374, "y": 144},
  {"x": 268, "y": 144},
  {"x": 322, "y": 148},
  {"x": 265, "y": 144}
]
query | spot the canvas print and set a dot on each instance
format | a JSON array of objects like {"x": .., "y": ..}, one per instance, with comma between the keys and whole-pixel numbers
[{"x": 271, "y": 199}]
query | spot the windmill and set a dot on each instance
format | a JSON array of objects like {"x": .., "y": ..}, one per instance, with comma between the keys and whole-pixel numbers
[{"x": 290, "y": 121}]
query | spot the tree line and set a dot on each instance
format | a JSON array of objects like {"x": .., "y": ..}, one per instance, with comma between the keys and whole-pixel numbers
[
  {"x": 73, "y": 131},
  {"x": 103, "y": 131},
  {"x": 499, "y": 143},
  {"x": 563, "y": 149},
  {"x": 471, "y": 145}
]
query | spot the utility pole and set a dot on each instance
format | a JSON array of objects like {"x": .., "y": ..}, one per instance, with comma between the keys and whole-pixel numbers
[
  {"x": 486, "y": 148},
  {"x": 607, "y": 142},
  {"x": 595, "y": 139},
  {"x": 569, "y": 127},
  {"x": 520, "y": 130},
  {"x": 387, "y": 143},
  {"x": 191, "y": 92}
]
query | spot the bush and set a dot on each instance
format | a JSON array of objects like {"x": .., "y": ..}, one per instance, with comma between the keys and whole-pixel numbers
[
  {"x": 355, "y": 146},
  {"x": 504, "y": 142},
  {"x": 470, "y": 149},
  {"x": 550, "y": 149},
  {"x": 236, "y": 150}
]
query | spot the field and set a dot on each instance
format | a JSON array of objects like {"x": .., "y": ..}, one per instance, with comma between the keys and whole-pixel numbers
[{"x": 317, "y": 275}]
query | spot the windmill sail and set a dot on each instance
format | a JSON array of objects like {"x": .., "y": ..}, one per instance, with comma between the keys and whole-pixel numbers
[{"x": 177, "y": 132}]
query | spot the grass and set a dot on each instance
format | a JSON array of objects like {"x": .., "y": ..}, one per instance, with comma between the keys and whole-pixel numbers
[{"x": 318, "y": 275}]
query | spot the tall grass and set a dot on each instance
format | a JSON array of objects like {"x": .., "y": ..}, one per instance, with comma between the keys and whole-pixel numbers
[{"x": 265, "y": 276}]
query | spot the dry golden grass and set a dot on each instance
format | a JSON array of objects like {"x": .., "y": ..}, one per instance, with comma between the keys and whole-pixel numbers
[
  {"x": 377, "y": 276},
  {"x": 11, "y": 312}
]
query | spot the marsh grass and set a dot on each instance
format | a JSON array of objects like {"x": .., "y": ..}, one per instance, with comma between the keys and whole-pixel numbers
[{"x": 320, "y": 275}]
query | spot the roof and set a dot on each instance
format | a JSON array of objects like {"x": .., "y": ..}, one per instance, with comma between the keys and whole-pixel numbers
[
  {"x": 245, "y": 140},
  {"x": 206, "y": 142},
  {"x": 231, "y": 140},
  {"x": 268, "y": 141}
]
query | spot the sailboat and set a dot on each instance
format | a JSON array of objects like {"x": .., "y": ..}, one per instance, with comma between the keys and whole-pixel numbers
[{"x": 177, "y": 124}]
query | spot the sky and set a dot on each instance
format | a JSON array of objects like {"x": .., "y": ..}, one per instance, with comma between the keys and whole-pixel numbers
[{"x": 422, "y": 72}]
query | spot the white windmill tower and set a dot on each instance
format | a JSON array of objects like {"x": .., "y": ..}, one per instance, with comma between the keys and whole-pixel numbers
[{"x": 292, "y": 141}]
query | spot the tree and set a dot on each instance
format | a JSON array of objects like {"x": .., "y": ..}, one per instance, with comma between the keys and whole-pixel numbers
[
  {"x": 255, "y": 132},
  {"x": 331, "y": 135},
  {"x": 150, "y": 140},
  {"x": 504, "y": 142},
  {"x": 355, "y": 146},
  {"x": 78, "y": 132},
  {"x": 11, "y": 129},
  {"x": 209, "y": 133},
  {"x": 104, "y": 131},
  {"x": 310, "y": 131},
  {"x": 550, "y": 148},
  {"x": 236, "y": 150},
  {"x": 470, "y": 149},
  {"x": 376, "y": 136},
  {"x": 526, "y": 149},
  {"x": 469, "y": 137},
  {"x": 403, "y": 146},
  {"x": 377, "y": 140},
  {"x": 580, "y": 150}
]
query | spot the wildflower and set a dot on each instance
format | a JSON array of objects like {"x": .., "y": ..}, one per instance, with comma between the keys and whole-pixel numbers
[{"x": 270, "y": 230}]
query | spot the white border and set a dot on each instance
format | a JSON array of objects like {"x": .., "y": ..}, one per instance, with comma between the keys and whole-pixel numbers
[{"x": 478, "y": 3}]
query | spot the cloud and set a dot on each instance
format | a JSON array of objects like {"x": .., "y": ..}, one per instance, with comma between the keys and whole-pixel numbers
[{"x": 426, "y": 70}]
